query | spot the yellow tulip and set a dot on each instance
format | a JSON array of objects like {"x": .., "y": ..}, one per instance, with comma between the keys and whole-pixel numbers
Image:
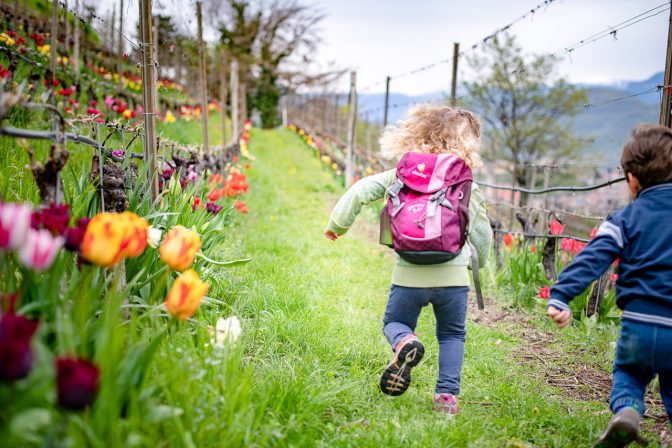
[
  {"x": 44, "y": 49},
  {"x": 185, "y": 295},
  {"x": 179, "y": 247},
  {"x": 170, "y": 118},
  {"x": 103, "y": 242}
]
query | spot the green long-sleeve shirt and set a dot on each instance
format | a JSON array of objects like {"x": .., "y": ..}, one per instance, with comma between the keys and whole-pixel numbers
[{"x": 452, "y": 273}]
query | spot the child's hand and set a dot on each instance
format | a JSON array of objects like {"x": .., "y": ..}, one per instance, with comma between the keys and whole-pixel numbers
[
  {"x": 331, "y": 235},
  {"x": 561, "y": 317}
]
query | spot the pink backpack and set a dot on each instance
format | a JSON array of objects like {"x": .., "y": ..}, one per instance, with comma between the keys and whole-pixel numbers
[{"x": 426, "y": 216}]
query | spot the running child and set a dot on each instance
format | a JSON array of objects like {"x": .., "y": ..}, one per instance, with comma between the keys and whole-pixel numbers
[{"x": 444, "y": 210}]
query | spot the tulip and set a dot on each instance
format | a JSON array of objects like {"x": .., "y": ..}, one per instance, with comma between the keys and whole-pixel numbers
[
  {"x": 76, "y": 382},
  {"x": 14, "y": 225},
  {"x": 74, "y": 235},
  {"x": 613, "y": 278},
  {"x": 241, "y": 207},
  {"x": 508, "y": 241},
  {"x": 137, "y": 234},
  {"x": 593, "y": 233},
  {"x": 170, "y": 118},
  {"x": 103, "y": 240},
  {"x": 545, "y": 292},
  {"x": 557, "y": 228},
  {"x": 567, "y": 244},
  {"x": 16, "y": 356},
  {"x": 154, "y": 237},
  {"x": 213, "y": 208},
  {"x": 185, "y": 295},
  {"x": 40, "y": 249},
  {"x": 54, "y": 218},
  {"x": 226, "y": 330},
  {"x": 179, "y": 247}
]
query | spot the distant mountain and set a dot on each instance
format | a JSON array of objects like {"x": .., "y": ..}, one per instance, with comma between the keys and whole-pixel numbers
[{"x": 607, "y": 125}]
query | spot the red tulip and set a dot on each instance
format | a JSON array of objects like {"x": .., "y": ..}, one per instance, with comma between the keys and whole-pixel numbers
[
  {"x": 567, "y": 244},
  {"x": 74, "y": 235},
  {"x": 544, "y": 292},
  {"x": 76, "y": 382},
  {"x": 593, "y": 233},
  {"x": 54, "y": 218},
  {"x": 508, "y": 241}
]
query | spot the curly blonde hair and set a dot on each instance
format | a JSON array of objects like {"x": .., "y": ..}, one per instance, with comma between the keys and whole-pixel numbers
[{"x": 435, "y": 129}]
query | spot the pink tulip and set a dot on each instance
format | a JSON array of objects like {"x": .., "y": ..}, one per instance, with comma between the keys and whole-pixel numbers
[
  {"x": 40, "y": 249},
  {"x": 557, "y": 228},
  {"x": 14, "y": 225},
  {"x": 109, "y": 101}
]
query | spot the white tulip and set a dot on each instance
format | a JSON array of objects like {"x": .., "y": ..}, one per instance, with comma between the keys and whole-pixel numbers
[
  {"x": 226, "y": 330},
  {"x": 154, "y": 237}
]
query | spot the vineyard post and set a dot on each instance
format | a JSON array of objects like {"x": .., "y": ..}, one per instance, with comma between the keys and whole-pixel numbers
[
  {"x": 367, "y": 121},
  {"x": 666, "y": 105},
  {"x": 66, "y": 41},
  {"x": 75, "y": 54},
  {"x": 223, "y": 91},
  {"x": 285, "y": 120},
  {"x": 52, "y": 68},
  {"x": 110, "y": 53},
  {"x": 547, "y": 181},
  {"x": 453, "y": 87},
  {"x": 202, "y": 76},
  {"x": 149, "y": 93},
  {"x": 235, "y": 106},
  {"x": 120, "y": 85},
  {"x": 387, "y": 100},
  {"x": 352, "y": 125}
]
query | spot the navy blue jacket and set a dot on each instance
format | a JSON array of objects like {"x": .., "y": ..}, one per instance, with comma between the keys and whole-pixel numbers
[{"x": 641, "y": 236}]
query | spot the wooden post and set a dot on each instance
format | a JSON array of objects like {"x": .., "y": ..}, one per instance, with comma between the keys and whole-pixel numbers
[
  {"x": 243, "y": 98},
  {"x": 75, "y": 53},
  {"x": 120, "y": 51},
  {"x": 223, "y": 91},
  {"x": 285, "y": 118},
  {"x": 387, "y": 100},
  {"x": 369, "y": 133},
  {"x": 149, "y": 94},
  {"x": 453, "y": 87},
  {"x": 54, "y": 45},
  {"x": 202, "y": 76},
  {"x": 547, "y": 182},
  {"x": 112, "y": 36},
  {"x": 235, "y": 122},
  {"x": 352, "y": 124},
  {"x": 665, "y": 105},
  {"x": 66, "y": 41}
]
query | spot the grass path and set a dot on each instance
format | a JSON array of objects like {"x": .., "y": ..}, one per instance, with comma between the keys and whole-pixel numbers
[{"x": 312, "y": 322}]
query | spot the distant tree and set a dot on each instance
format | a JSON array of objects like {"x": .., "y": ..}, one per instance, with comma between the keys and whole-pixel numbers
[
  {"x": 269, "y": 40},
  {"x": 526, "y": 109}
]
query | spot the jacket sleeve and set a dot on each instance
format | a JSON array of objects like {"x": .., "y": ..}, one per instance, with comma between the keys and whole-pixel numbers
[
  {"x": 480, "y": 233},
  {"x": 363, "y": 192},
  {"x": 588, "y": 265}
]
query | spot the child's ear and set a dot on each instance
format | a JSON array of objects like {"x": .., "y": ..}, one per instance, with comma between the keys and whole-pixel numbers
[{"x": 633, "y": 183}]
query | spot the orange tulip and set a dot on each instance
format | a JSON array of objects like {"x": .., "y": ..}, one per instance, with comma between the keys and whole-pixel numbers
[
  {"x": 185, "y": 295},
  {"x": 179, "y": 247},
  {"x": 103, "y": 242},
  {"x": 135, "y": 240}
]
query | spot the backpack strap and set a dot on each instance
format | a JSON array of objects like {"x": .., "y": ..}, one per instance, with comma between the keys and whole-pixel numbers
[
  {"x": 393, "y": 194},
  {"x": 477, "y": 277}
]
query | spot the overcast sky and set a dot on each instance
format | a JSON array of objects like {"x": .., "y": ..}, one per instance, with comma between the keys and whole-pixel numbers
[
  {"x": 387, "y": 37},
  {"x": 380, "y": 38}
]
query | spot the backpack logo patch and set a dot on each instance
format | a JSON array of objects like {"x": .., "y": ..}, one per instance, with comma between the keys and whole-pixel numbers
[{"x": 419, "y": 170}]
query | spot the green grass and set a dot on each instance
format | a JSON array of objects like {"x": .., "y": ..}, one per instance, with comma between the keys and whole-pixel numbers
[{"x": 312, "y": 314}]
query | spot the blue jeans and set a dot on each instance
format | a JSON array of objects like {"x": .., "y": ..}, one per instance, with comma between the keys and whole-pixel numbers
[
  {"x": 450, "y": 308},
  {"x": 643, "y": 352}
]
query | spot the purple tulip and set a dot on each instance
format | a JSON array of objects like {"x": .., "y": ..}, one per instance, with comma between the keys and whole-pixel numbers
[
  {"x": 55, "y": 218},
  {"x": 16, "y": 356},
  {"x": 76, "y": 382},
  {"x": 213, "y": 208}
]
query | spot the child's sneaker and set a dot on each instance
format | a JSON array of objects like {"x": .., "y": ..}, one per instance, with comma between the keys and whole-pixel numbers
[
  {"x": 397, "y": 376},
  {"x": 446, "y": 403},
  {"x": 623, "y": 429}
]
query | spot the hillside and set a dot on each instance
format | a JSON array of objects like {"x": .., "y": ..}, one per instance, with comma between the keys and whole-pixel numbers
[{"x": 606, "y": 126}]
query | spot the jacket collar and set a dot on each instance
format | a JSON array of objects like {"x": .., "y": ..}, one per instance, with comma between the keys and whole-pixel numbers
[{"x": 665, "y": 186}]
